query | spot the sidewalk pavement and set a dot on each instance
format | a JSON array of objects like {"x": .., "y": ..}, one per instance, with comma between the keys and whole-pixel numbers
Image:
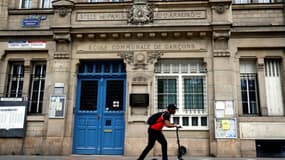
[{"x": 95, "y": 157}]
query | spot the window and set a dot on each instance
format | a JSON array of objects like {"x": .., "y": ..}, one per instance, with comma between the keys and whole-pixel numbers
[
  {"x": 194, "y": 93},
  {"x": 37, "y": 88},
  {"x": 256, "y": 1},
  {"x": 46, "y": 4},
  {"x": 26, "y": 4},
  {"x": 15, "y": 80},
  {"x": 273, "y": 86},
  {"x": 167, "y": 91},
  {"x": 106, "y": 0},
  {"x": 183, "y": 82},
  {"x": 249, "y": 87}
]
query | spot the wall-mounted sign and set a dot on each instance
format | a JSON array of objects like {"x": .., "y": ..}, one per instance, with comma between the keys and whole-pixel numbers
[
  {"x": 31, "y": 22},
  {"x": 225, "y": 128},
  {"x": 139, "y": 99},
  {"x": 26, "y": 44},
  {"x": 57, "y": 107},
  {"x": 12, "y": 118}
]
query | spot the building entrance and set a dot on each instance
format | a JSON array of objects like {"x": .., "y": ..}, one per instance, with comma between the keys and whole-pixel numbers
[{"x": 100, "y": 107}]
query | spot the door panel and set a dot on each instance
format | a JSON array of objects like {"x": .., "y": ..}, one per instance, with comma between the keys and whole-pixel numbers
[
  {"x": 113, "y": 118},
  {"x": 99, "y": 119},
  {"x": 86, "y": 121}
]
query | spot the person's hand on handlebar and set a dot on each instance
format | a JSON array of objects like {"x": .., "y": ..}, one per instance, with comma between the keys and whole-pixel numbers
[{"x": 178, "y": 126}]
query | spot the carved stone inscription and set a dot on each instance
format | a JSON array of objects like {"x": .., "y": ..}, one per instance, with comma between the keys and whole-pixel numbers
[
  {"x": 190, "y": 45},
  {"x": 94, "y": 16},
  {"x": 193, "y": 14},
  {"x": 120, "y": 16}
]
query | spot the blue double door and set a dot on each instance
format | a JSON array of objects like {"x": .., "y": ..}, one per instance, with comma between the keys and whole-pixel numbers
[{"x": 99, "y": 115}]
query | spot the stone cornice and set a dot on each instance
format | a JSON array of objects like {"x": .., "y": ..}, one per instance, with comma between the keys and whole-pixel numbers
[{"x": 141, "y": 35}]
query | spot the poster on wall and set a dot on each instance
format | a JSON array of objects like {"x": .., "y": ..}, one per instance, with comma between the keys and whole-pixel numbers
[
  {"x": 12, "y": 117},
  {"x": 57, "y": 107},
  {"x": 224, "y": 109},
  {"x": 225, "y": 128}
]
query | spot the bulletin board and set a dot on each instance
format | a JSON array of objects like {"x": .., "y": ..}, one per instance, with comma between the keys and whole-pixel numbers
[
  {"x": 13, "y": 114},
  {"x": 225, "y": 128},
  {"x": 57, "y": 106}
]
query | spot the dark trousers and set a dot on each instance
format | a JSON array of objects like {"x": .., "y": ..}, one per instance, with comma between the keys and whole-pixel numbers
[{"x": 153, "y": 136}]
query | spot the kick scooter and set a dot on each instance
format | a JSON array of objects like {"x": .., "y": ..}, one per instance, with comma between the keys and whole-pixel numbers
[{"x": 181, "y": 149}]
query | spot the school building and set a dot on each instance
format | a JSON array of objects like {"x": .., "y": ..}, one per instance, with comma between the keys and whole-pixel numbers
[{"x": 90, "y": 72}]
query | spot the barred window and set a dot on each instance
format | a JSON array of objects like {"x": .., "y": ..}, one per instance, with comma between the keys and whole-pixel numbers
[
  {"x": 107, "y": 0},
  {"x": 183, "y": 82},
  {"x": 26, "y": 4},
  {"x": 37, "y": 88},
  {"x": 46, "y": 3},
  {"x": 249, "y": 87},
  {"x": 256, "y": 1},
  {"x": 15, "y": 79}
]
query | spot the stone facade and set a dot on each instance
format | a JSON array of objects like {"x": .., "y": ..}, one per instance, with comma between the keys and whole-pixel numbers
[{"x": 141, "y": 32}]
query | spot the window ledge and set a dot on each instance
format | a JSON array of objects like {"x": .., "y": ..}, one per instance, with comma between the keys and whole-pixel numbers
[
  {"x": 262, "y": 119},
  {"x": 31, "y": 11},
  {"x": 188, "y": 129},
  {"x": 35, "y": 118}
]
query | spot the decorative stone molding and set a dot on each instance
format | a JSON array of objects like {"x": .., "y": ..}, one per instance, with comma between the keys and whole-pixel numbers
[
  {"x": 62, "y": 37},
  {"x": 221, "y": 35},
  {"x": 2, "y": 54},
  {"x": 220, "y": 8},
  {"x": 127, "y": 56},
  {"x": 220, "y": 5},
  {"x": 139, "y": 60},
  {"x": 62, "y": 7},
  {"x": 220, "y": 42},
  {"x": 260, "y": 64},
  {"x": 222, "y": 53},
  {"x": 140, "y": 13},
  {"x": 152, "y": 57},
  {"x": 61, "y": 56},
  {"x": 139, "y": 79}
]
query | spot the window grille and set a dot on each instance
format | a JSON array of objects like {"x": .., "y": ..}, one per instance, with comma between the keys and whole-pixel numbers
[
  {"x": 183, "y": 82},
  {"x": 26, "y": 4},
  {"x": 46, "y": 3},
  {"x": 37, "y": 88},
  {"x": 95, "y": 1},
  {"x": 273, "y": 84},
  {"x": 15, "y": 80},
  {"x": 249, "y": 87},
  {"x": 256, "y": 1},
  {"x": 249, "y": 93}
]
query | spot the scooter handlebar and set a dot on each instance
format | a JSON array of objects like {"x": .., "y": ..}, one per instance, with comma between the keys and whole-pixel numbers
[{"x": 178, "y": 126}]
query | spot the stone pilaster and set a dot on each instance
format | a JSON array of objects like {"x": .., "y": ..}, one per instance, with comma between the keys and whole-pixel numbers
[
  {"x": 27, "y": 77},
  {"x": 261, "y": 86},
  {"x": 223, "y": 74},
  {"x": 140, "y": 69},
  {"x": 60, "y": 62},
  {"x": 3, "y": 14}
]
